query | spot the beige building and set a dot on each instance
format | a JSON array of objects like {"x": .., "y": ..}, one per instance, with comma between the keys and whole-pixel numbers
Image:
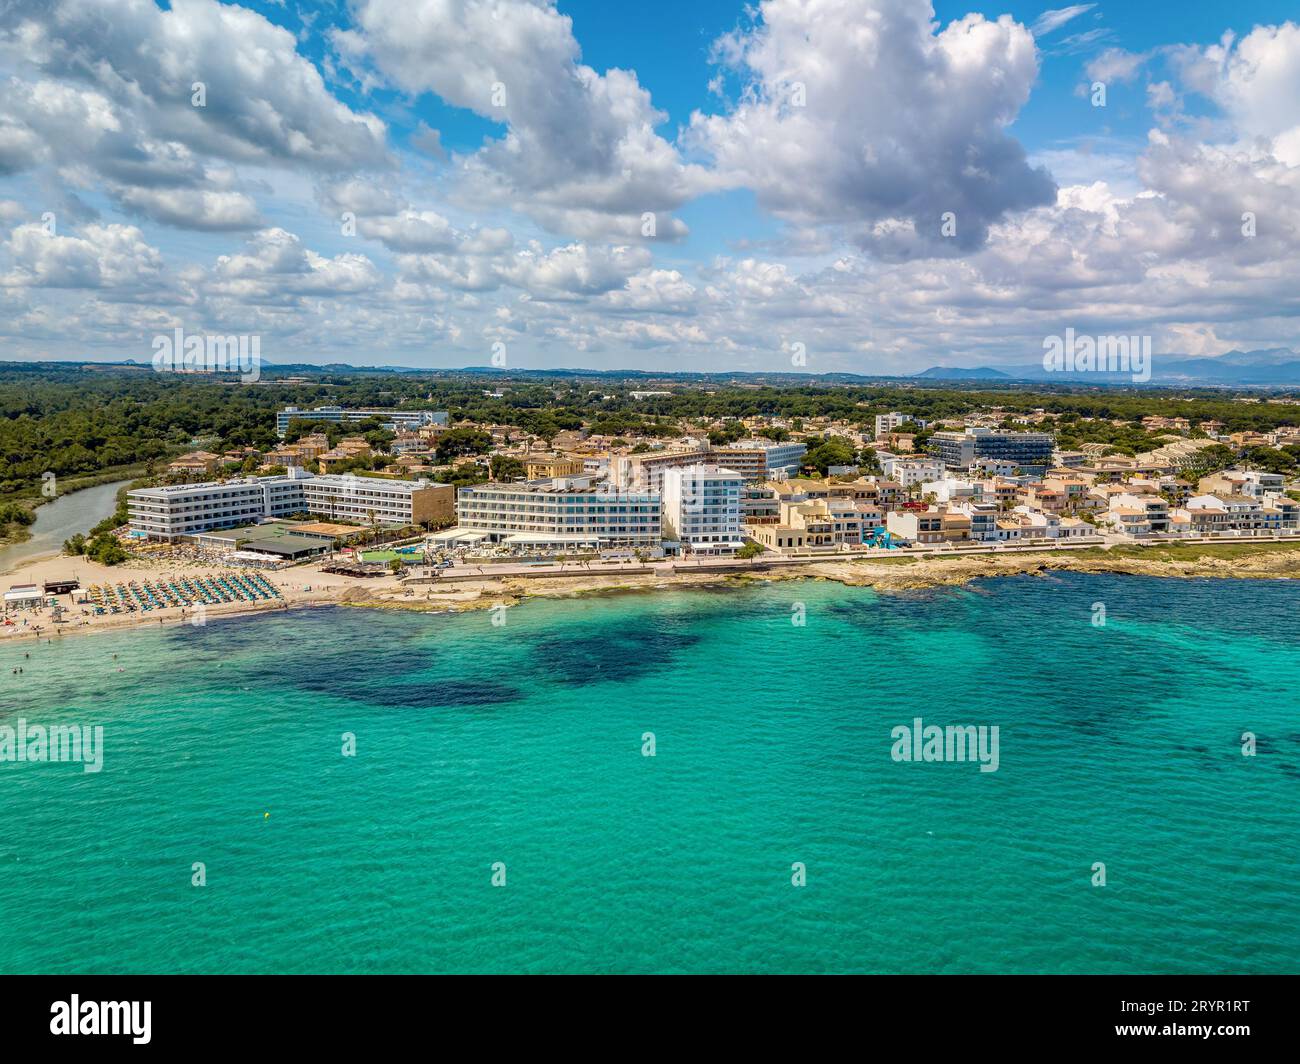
[
  {"x": 818, "y": 524},
  {"x": 547, "y": 466},
  {"x": 350, "y": 447},
  {"x": 199, "y": 462}
]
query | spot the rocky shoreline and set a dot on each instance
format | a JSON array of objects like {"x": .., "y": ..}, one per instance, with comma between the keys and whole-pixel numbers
[{"x": 887, "y": 574}]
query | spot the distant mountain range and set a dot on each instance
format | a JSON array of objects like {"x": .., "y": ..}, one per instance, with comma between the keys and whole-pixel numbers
[
  {"x": 953, "y": 373},
  {"x": 1277, "y": 367},
  {"x": 1270, "y": 367}
]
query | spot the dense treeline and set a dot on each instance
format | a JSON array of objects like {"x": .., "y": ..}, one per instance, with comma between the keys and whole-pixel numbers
[{"x": 76, "y": 420}]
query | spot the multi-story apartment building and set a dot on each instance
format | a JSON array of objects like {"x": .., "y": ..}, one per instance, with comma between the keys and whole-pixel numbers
[
  {"x": 983, "y": 518},
  {"x": 645, "y": 472},
  {"x": 1231, "y": 513},
  {"x": 759, "y": 460},
  {"x": 400, "y": 419},
  {"x": 178, "y": 511},
  {"x": 758, "y": 504},
  {"x": 1073, "y": 489},
  {"x": 886, "y": 423},
  {"x": 936, "y": 524},
  {"x": 553, "y": 511},
  {"x": 1031, "y": 452},
  {"x": 1253, "y": 482},
  {"x": 1136, "y": 514},
  {"x": 701, "y": 506},
  {"x": 406, "y": 442},
  {"x": 1042, "y": 497},
  {"x": 1068, "y": 459}
]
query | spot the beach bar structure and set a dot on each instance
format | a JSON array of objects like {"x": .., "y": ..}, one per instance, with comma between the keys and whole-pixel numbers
[{"x": 23, "y": 597}]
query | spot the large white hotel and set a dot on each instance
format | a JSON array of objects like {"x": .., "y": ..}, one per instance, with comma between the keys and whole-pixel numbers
[
  {"x": 699, "y": 507},
  {"x": 573, "y": 510},
  {"x": 178, "y": 510},
  {"x": 702, "y": 508}
]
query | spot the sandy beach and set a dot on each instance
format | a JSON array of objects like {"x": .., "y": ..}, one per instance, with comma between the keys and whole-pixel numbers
[
  {"x": 473, "y": 588},
  {"x": 300, "y": 587}
]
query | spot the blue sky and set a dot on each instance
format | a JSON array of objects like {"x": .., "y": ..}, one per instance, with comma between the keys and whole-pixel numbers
[{"x": 778, "y": 225}]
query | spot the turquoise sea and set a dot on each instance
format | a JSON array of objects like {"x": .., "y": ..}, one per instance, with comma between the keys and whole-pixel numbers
[{"x": 523, "y": 744}]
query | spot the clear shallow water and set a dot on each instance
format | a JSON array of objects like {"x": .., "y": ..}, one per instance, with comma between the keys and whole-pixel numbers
[{"x": 522, "y": 744}]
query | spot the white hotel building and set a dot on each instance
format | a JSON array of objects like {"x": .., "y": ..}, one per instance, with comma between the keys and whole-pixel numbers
[
  {"x": 403, "y": 420},
  {"x": 173, "y": 511},
  {"x": 702, "y": 508},
  {"x": 564, "y": 510},
  {"x": 912, "y": 471}
]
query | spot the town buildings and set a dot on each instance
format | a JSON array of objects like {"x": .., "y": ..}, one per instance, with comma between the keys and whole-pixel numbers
[{"x": 754, "y": 460}]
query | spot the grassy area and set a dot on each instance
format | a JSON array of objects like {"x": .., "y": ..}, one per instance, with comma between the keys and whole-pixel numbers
[{"x": 379, "y": 555}]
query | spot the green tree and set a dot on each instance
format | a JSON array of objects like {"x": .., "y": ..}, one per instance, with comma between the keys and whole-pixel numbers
[
  {"x": 504, "y": 467},
  {"x": 106, "y": 550},
  {"x": 457, "y": 443},
  {"x": 828, "y": 451}
]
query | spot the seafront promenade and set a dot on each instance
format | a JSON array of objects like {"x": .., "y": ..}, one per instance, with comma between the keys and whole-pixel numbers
[{"x": 464, "y": 572}]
